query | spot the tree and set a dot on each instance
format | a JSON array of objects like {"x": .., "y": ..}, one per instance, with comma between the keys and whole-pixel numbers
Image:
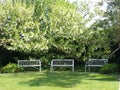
[
  {"x": 50, "y": 29},
  {"x": 19, "y": 30},
  {"x": 111, "y": 24},
  {"x": 114, "y": 17}
]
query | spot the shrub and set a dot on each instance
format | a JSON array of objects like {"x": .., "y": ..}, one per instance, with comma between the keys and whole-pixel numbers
[
  {"x": 109, "y": 68},
  {"x": 10, "y": 68}
]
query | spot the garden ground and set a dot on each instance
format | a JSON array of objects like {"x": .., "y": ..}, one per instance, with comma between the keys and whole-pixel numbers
[{"x": 58, "y": 81}]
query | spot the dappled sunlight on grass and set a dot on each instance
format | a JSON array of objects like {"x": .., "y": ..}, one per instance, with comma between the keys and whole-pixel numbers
[
  {"x": 55, "y": 79},
  {"x": 58, "y": 81}
]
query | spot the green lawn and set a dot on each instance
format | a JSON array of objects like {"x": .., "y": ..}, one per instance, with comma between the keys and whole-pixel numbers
[{"x": 58, "y": 81}]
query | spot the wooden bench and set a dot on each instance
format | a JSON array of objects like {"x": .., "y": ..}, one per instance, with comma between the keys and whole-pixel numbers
[
  {"x": 95, "y": 63},
  {"x": 62, "y": 63},
  {"x": 30, "y": 63}
]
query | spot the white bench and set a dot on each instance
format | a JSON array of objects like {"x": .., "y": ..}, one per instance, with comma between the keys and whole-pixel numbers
[
  {"x": 62, "y": 63},
  {"x": 95, "y": 63},
  {"x": 30, "y": 63}
]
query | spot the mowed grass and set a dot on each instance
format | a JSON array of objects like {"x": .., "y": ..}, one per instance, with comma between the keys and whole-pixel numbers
[{"x": 58, "y": 81}]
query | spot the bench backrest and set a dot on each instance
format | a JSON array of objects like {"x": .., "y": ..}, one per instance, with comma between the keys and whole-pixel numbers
[
  {"x": 62, "y": 62},
  {"x": 25, "y": 63},
  {"x": 97, "y": 62}
]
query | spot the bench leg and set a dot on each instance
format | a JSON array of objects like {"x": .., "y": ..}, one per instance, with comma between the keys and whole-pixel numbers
[
  {"x": 85, "y": 68},
  {"x": 89, "y": 69},
  {"x": 40, "y": 68},
  {"x": 51, "y": 68},
  {"x": 73, "y": 69}
]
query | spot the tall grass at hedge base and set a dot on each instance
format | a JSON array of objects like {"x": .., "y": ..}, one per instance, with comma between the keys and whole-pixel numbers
[{"x": 109, "y": 68}]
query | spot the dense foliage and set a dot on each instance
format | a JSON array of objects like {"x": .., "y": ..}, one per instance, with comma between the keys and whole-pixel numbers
[
  {"x": 109, "y": 68},
  {"x": 49, "y": 29},
  {"x": 111, "y": 24}
]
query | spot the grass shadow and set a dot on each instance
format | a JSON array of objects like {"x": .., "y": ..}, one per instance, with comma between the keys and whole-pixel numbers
[
  {"x": 56, "y": 79},
  {"x": 64, "y": 79}
]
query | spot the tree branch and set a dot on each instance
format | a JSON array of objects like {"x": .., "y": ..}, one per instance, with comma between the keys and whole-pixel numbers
[{"x": 115, "y": 50}]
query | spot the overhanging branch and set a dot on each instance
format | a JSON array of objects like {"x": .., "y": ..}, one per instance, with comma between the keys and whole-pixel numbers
[{"x": 115, "y": 50}]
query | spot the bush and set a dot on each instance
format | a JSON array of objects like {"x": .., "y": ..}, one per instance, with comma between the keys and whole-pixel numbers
[
  {"x": 10, "y": 68},
  {"x": 109, "y": 68}
]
